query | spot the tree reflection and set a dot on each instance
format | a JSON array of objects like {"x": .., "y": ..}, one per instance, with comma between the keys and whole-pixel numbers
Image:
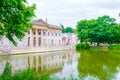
[{"x": 101, "y": 64}]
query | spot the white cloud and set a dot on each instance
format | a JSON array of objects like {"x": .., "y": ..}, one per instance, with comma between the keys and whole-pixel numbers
[{"x": 68, "y": 12}]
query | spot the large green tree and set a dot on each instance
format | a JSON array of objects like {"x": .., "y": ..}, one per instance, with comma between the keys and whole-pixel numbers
[
  {"x": 15, "y": 18},
  {"x": 100, "y": 30},
  {"x": 82, "y": 30}
]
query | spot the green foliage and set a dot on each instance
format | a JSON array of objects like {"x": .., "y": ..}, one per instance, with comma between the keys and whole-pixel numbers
[
  {"x": 82, "y": 46},
  {"x": 15, "y": 19},
  {"x": 67, "y": 30},
  {"x": 24, "y": 75},
  {"x": 100, "y": 30},
  {"x": 29, "y": 74},
  {"x": 7, "y": 73},
  {"x": 115, "y": 46},
  {"x": 99, "y": 62}
]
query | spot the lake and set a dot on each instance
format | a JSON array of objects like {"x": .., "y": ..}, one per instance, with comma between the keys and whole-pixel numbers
[{"x": 93, "y": 64}]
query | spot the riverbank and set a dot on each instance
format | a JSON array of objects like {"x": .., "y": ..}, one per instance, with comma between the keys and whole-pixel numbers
[
  {"x": 0, "y": 53},
  {"x": 42, "y": 49}
]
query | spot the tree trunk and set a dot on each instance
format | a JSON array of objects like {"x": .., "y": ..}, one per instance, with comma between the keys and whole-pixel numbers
[
  {"x": 98, "y": 43},
  {"x": 110, "y": 43},
  {"x": 91, "y": 43}
]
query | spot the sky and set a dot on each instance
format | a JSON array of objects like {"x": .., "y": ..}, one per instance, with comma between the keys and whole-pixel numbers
[{"x": 69, "y": 12}]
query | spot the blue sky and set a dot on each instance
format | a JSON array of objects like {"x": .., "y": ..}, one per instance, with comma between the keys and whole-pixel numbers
[{"x": 69, "y": 12}]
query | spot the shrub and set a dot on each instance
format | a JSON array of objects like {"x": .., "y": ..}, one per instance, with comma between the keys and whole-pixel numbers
[
  {"x": 82, "y": 46},
  {"x": 27, "y": 74},
  {"x": 115, "y": 46}
]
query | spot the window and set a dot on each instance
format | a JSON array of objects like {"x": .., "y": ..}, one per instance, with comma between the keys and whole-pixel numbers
[
  {"x": 52, "y": 34},
  {"x": 28, "y": 41},
  {"x": 28, "y": 32},
  {"x": 48, "y": 33},
  {"x": 59, "y": 34},
  {"x": 39, "y": 42},
  {"x": 39, "y": 33},
  {"x": 44, "y": 33},
  {"x": 34, "y": 42},
  {"x": 34, "y": 33}
]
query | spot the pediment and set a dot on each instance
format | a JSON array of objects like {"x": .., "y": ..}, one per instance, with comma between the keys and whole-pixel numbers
[{"x": 39, "y": 22}]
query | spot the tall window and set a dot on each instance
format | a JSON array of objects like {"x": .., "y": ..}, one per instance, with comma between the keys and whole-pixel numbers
[
  {"x": 34, "y": 33},
  {"x": 48, "y": 33},
  {"x": 28, "y": 32},
  {"x": 39, "y": 33},
  {"x": 39, "y": 42},
  {"x": 59, "y": 34},
  {"x": 59, "y": 42},
  {"x": 44, "y": 33},
  {"x": 28, "y": 41},
  {"x": 34, "y": 42}
]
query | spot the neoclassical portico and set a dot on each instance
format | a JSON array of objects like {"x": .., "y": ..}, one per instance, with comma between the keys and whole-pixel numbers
[{"x": 43, "y": 35}]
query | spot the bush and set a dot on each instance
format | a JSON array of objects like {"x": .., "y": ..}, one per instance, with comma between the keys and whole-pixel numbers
[
  {"x": 115, "y": 46},
  {"x": 27, "y": 74},
  {"x": 82, "y": 46}
]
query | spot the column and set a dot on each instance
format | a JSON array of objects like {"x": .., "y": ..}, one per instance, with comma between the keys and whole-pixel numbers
[
  {"x": 42, "y": 38},
  {"x": 36, "y": 38},
  {"x": 26, "y": 40},
  {"x": 46, "y": 39},
  {"x": 31, "y": 38}
]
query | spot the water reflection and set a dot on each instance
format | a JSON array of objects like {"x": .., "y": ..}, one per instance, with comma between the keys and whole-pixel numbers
[
  {"x": 90, "y": 65},
  {"x": 99, "y": 64},
  {"x": 50, "y": 62}
]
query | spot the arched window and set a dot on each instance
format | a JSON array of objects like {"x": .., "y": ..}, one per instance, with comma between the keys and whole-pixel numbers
[
  {"x": 34, "y": 42},
  {"x": 39, "y": 42},
  {"x": 59, "y": 42},
  {"x": 52, "y": 42},
  {"x": 48, "y": 33},
  {"x": 28, "y": 41}
]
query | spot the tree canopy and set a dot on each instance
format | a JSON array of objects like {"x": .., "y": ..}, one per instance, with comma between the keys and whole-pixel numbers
[
  {"x": 67, "y": 29},
  {"x": 15, "y": 18},
  {"x": 100, "y": 30}
]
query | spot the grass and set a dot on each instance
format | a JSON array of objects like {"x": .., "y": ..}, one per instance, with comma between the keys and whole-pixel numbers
[{"x": 114, "y": 46}]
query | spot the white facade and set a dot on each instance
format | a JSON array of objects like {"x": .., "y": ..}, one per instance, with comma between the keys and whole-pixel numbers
[
  {"x": 42, "y": 35},
  {"x": 69, "y": 39}
]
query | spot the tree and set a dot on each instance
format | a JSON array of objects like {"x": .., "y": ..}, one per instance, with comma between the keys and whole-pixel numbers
[
  {"x": 82, "y": 29},
  {"x": 15, "y": 19},
  {"x": 100, "y": 30},
  {"x": 68, "y": 30}
]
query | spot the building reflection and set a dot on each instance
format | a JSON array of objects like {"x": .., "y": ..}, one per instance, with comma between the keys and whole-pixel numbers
[{"x": 39, "y": 61}]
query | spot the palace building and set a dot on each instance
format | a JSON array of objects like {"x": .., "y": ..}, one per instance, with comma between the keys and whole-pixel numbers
[{"x": 42, "y": 35}]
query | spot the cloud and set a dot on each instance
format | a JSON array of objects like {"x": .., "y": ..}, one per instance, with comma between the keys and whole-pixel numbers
[{"x": 68, "y": 12}]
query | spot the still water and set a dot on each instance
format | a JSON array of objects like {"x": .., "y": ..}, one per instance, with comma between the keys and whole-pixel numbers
[{"x": 93, "y": 64}]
